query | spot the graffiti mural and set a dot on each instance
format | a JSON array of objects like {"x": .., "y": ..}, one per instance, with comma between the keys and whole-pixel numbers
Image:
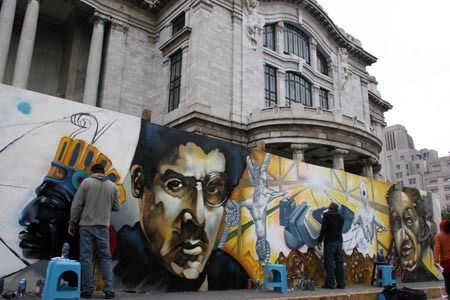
[
  {"x": 197, "y": 213},
  {"x": 296, "y": 196},
  {"x": 47, "y": 146}
]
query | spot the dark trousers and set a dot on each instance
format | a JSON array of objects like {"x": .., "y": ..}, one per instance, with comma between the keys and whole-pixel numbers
[
  {"x": 334, "y": 264},
  {"x": 447, "y": 282}
]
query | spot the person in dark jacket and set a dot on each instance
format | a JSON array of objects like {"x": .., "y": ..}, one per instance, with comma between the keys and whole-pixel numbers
[{"x": 331, "y": 235}]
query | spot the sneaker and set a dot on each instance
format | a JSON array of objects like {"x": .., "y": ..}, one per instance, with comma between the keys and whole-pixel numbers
[
  {"x": 327, "y": 287},
  {"x": 109, "y": 294},
  {"x": 86, "y": 294},
  {"x": 341, "y": 287}
]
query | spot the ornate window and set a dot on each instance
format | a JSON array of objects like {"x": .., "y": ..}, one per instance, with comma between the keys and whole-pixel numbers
[
  {"x": 323, "y": 98},
  {"x": 178, "y": 23},
  {"x": 175, "y": 80},
  {"x": 270, "y": 86},
  {"x": 298, "y": 90},
  {"x": 322, "y": 64},
  {"x": 296, "y": 42},
  {"x": 269, "y": 36}
]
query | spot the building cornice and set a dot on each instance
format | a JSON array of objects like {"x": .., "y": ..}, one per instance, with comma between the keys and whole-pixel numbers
[
  {"x": 379, "y": 102},
  {"x": 342, "y": 38}
]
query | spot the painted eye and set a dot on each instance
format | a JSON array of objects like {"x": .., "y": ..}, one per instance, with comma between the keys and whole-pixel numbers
[
  {"x": 78, "y": 177},
  {"x": 215, "y": 190},
  {"x": 174, "y": 185},
  {"x": 409, "y": 221}
]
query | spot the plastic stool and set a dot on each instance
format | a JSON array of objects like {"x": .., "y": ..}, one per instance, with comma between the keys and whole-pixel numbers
[
  {"x": 374, "y": 271},
  {"x": 386, "y": 276},
  {"x": 279, "y": 274},
  {"x": 55, "y": 269}
]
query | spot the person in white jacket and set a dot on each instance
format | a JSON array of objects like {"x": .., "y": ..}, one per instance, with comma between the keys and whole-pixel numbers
[{"x": 91, "y": 211}]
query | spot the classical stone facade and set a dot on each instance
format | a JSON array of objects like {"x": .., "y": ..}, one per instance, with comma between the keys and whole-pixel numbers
[{"x": 278, "y": 73}]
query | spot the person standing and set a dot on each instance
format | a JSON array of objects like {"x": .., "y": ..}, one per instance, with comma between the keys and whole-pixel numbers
[
  {"x": 331, "y": 235},
  {"x": 442, "y": 252},
  {"x": 91, "y": 211}
]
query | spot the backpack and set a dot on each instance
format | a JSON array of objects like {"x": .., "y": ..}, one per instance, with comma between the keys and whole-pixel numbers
[
  {"x": 389, "y": 293},
  {"x": 412, "y": 294},
  {"x": 405, "y": 293}
]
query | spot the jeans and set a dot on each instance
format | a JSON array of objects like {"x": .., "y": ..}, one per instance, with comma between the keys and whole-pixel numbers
[
  {"x": 334, "y": 264},
  {"x": 447, "y": 282},
  {"x": 91, "y": 236}
]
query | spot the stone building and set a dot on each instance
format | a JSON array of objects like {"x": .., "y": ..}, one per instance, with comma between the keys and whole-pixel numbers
[
  {"x": 278, "y": 73},
  {"x": 437, "y": 180},
  {"x": 405, "y": 165}
]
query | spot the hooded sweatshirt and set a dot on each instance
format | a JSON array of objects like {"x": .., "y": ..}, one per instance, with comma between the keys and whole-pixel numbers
[
  {"x": 332, "y": 225},
  {"x": 95, "y": 199}
]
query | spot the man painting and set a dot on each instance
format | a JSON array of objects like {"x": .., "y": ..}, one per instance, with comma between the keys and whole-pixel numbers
[
  {"x": 333, "y": 254},
  {"x": 183, "y": 181}
]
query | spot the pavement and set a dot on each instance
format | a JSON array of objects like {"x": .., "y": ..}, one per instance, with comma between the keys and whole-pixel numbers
[
  {"x": 354, "y": 292},
  {"x": 434, "y": 290}
]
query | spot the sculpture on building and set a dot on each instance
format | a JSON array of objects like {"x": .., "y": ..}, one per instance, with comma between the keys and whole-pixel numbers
[
  {"x": 255, "y": 22},
  {"x": 343, "y": 66}
]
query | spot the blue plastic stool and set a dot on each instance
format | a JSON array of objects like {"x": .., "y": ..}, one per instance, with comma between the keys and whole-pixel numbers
[
  {"x": 279, "y": 282},
  {"x": 53, "y": 288},
  {"x": 386, "y": 276}
]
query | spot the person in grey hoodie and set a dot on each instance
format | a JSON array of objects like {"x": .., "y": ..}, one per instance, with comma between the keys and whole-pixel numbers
[{"x": 91, "y": 211}]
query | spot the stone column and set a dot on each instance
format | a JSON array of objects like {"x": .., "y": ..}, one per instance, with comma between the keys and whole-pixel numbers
[
  {"x": 281, "y": 87},
  {"x": 338, "y": 158},
  {"x": 313, "y": 54},
  {"x": 279, "y": 37},
  {"x": 26, "y": 45},
  {"x": 367, "y": 170},
  {"x": 6, "y": 24},
  {"x": 299, "y": 152},
  {"x": 315, "y": 96},
  {"x": 94, "y": 62}
]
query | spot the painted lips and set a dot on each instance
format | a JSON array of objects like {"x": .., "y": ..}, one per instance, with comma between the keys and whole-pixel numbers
[{"x": 191, "y": 257}]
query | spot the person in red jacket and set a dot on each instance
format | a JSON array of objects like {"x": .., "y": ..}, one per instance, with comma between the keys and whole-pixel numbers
[{"x": 442, "y": 252}]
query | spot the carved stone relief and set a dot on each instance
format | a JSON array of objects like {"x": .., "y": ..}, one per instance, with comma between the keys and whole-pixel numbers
[{"x": 255, "y": 22}]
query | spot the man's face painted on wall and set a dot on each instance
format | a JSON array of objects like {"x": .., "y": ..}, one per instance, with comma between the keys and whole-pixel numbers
[
  {"x": 182, "y": 211},
  {"x": 406, "y": 227}
]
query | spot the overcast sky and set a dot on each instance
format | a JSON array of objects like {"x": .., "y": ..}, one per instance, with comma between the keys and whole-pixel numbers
[{"x": 411, "y": 40}]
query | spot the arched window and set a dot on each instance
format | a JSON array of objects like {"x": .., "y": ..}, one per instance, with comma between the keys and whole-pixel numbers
[
  {"x": 298, "y": 90},
  {"x": 296, "y": 42}
]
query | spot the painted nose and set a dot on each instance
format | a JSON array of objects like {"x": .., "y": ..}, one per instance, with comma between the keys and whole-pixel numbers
[
  {"x": 198, "y": 209},
  {"x": 30, "y": 213},
  {"x": 200, "y": 204}
]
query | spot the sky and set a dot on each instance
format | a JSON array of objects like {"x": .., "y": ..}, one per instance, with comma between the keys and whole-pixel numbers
[{"x": 411, "y": 40}]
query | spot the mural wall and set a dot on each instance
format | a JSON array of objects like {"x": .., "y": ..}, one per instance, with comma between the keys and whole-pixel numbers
[{"x": 197, "y": 213}]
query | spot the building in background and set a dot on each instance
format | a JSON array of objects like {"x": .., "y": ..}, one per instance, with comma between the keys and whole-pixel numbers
[
  {"x": 274, "y": 72},
  {"x": 437, "y": 180},
  {"x": 421, "y": 169}
]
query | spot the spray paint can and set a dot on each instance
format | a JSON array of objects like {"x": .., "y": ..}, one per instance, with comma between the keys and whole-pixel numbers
[
  {"x": 257, "y": 284},
  {"x": 249, "y": 284},
  {"x": 20, "y": 289},
  {"x": 65, "y": 251},
  {"x": 313, "y": 285},
  {"x": 299, "y": 284},
  {"x": 38, "y": 289},
  {"x": 24, "y": 285}
]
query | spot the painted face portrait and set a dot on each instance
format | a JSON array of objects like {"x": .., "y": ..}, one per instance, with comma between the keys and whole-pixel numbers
[
  {"x": 46, "y": 217},
  {"x": 181, "y": 213},
  {"x": 182, "y": 181},
  {"x": 407, "y": 227}
]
